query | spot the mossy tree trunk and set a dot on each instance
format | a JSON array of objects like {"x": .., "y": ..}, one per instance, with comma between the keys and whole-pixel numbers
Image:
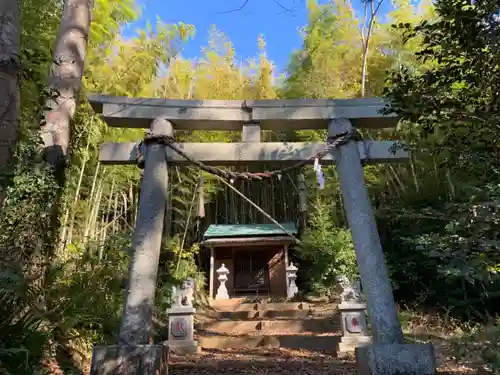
[
  {"x": 65, "y": 79},
  {"x": 10, "y": 71}
]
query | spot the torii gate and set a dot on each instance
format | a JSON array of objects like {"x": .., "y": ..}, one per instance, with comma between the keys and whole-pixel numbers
[{"x": 162, "y": 116}]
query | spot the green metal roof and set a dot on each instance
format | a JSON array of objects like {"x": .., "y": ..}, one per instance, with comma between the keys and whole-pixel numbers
[{"x": 247, "y": 230}]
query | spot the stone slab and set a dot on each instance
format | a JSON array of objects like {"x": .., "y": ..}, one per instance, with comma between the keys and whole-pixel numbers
[
  {"x": 396, "y": 359},
  {"x": 347, "y": 306},
  {"x": 244, "y": 153},
  {"x": 181, "y": 310},
  {"x": 275, "y": 115},
  {"x": 282, "y": 306},
  {"x": 224, "y": 326},
  {"x": 295, "y": 342},
  {"x": 348, "y": 345},
  {"x": 270, "y": 326},
  {"x": 255, "y": 314},
  {"x": 133, "y": 360},
  {"x": 183, "y": 347},
  {"x": 230, "y": 306}
]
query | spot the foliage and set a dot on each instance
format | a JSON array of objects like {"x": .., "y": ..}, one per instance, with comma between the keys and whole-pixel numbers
[
  {"x": 454, "y": 267},
  {"x": 454, "y": 101},
  {"x": 448, "y": 239},
  {"x": 326, "y": 251},
  {"x": 327, "y": 66},
  {"x": 25, "y": 224}
]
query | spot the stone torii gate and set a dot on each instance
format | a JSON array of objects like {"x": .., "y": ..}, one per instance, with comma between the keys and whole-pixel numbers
[{"x": 388, "y": 355}]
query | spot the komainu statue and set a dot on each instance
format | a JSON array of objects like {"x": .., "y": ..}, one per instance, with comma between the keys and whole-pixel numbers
[
  {"x": 182, "y": 295},
  {"x": 351, "y": 291}
]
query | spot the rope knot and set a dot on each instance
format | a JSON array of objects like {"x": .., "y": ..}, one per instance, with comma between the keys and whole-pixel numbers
[{"x": 151, "y": 138}]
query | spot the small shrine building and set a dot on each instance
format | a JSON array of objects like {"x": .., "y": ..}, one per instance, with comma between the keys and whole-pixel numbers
[{"x": 256, "y": 256}]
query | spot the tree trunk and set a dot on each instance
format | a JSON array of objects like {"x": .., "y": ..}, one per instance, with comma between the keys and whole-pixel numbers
[
  {"x": 10, "y": 72},
  {"x": 65, "y": 79},
  {"x": 365, "y": 40},
  {"x": 364, "y": 70}
]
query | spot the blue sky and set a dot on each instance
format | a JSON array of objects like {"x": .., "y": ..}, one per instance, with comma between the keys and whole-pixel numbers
[{"x": 279, "y": 27}]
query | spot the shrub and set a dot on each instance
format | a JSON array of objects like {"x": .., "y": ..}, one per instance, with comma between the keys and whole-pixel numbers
[{"x": 326, "y": 251}]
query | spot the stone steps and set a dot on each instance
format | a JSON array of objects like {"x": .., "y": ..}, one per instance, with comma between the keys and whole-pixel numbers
[
  {"x": 270, "y": 326},
  {"x": 268, "y": 341},
  {"x": 242, "y": 325},
  {"x": 235, "y": 306},
  {"x": 258, "y": 314}
]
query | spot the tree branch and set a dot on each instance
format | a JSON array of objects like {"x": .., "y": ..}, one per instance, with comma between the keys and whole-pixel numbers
[
  {"x": 245, "y": 2},
  {"x": 236, "y": 9}
]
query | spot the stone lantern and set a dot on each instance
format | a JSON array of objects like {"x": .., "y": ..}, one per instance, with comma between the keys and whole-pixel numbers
[
  {"x": 222, "y": 277},
  {"x": 291, "y": 288}
]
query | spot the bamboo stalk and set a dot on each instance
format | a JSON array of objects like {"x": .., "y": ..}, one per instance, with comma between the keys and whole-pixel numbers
[
  {"x": 263, "y": 189},
  {"x": 250, "y": 208},
  {"x": 124, "y": 212},
  {"x": 103, "y": 220},
  {"x": 97, "y": 210},
  {"x": 258, "y": 208},
  {"x": 94, "y": 203},
  {"x": 107, "y": 225},
  {"x": 76, "y": 197},
  {"x": 90, "y": 207},
  {"x": 115, "y": 209},
  {"x": 100, "y": 236}
]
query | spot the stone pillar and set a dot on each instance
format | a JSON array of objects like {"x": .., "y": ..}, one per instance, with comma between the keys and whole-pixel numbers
[
  {"x": 222, "y": 290},
  {"x": 250, "y": 132},
  {"x": 133, "y": 360},
  {"x": 181, "y": 320},
  {"x": 133, "y": 348},
  {"x": 387, "y": 354},
  {"x": 352, "y": 314},
  {"x": 291, "y": 288}
]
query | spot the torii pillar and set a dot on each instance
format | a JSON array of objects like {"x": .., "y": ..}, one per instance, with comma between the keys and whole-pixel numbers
[
  {"x": 134, "y": 354},
  {"x": 388, "y": 355}
]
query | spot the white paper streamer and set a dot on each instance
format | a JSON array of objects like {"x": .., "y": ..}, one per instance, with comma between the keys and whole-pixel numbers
[{"x": 320, "y": 177}]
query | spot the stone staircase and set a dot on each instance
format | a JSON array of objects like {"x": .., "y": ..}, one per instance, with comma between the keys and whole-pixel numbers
[
  {"x": 249, "y": 324},
  {"x": 259, "y": 336}
]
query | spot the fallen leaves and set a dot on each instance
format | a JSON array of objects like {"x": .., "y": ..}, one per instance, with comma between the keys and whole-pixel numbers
[{"x": 260, "y": 360}]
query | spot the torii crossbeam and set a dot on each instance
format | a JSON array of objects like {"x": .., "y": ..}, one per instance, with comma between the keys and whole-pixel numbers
[
  {"x": 163, "y": 116},
  {"x": 277, "y": 115}
]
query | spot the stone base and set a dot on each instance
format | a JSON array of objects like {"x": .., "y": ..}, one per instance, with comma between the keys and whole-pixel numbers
[
  {"x": 135, "y": 360},
  {"x": 348, "y": 344},
  {"x": 181, "y": 310},
  {"x": 183, "y": 347},
  {"x": 221, "y": 296},
  {"x": 396, "y": 359}
]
